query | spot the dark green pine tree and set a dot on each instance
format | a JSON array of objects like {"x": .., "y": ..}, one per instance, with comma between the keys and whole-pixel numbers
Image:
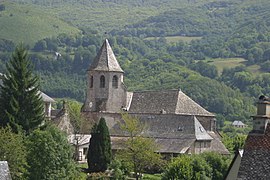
[
  {"x": 21, "y": 105},
  {"x": 99, "y": 154}
]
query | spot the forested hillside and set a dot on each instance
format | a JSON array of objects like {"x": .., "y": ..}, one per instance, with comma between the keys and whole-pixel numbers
[{"x": 160, "y": 45}]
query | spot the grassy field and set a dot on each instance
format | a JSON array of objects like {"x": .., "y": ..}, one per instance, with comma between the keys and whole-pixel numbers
[
  {"x": 255, "y": 69},
  {"x": 29, "y": 23},
  {"x": 222, "y": 63},
  {"x": 173, "y": 39}
]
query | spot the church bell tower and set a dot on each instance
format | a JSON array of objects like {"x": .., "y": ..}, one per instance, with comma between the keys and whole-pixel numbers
[{"x": 105, "y": 88}]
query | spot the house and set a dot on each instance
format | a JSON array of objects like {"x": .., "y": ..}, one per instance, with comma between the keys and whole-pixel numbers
[
  {"x": 4, "y": 171},
  {"x": 81, "y": 143},
  {"x": 177, "y": 123},
  {"x": 255, "y": 161},
  {"x": 238, "y": 124}
]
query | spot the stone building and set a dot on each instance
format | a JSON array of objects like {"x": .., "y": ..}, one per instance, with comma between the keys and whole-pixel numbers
[
  {"x": 175, "y": 121},
  {"x": 255, "y": 161}
]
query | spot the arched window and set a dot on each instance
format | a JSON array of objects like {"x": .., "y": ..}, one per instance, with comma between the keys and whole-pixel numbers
[
  {"x": 115, "y": 82},
  {"x": 91, "y": 81},
  {"x": 102, "y": 81}
]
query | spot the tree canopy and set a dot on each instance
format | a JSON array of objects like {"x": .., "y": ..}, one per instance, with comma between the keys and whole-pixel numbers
[
  {"x": 21, "y": 105},
  {"x": 49, "y": 155},
  {"x": 139, "y": 152},
  {"x": 99, "y": 152},
  {"x": 14, "y": 151}
]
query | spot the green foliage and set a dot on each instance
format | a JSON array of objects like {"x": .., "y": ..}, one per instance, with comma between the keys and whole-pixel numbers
[
  {"x": 30, "y": 23},
  {"x": 13, "y": 150},
  {"x": 119, "y": 171},
  {"x": 233, "y": 141},
  {"x": 80, "y": 124},
  {"x": 218, "y": 163},
  {"x": 138, "y": 152},
  {"x": 21, "y": 104},
  {"x": 100, "y": 154},
  {"x": 179, "y": 168},
  {"x": 205, "y": 69},
  {"x": 192, "y": 167},
  {"x": 49, "y": 155}
]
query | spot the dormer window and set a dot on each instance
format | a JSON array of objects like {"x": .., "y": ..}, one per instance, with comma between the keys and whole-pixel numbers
[
  {"x": 91, "y": 81},
  {"x": 115, "y": 82},
  {"x": 102, "y": 81}
]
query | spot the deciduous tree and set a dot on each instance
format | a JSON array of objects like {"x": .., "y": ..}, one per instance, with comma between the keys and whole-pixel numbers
[
  {"x": 49, "y": 155},
  {"x": 13, "y": 150},
  {"x": 139, "y": 151}
]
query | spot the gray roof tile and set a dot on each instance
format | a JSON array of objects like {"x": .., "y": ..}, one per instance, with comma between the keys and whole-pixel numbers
[
  {"x": 165, "y": 102},
  {"x": 105, "y": 60}
]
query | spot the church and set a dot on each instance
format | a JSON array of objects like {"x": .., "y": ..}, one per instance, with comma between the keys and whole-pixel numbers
[{"x": 177, "y": 123}]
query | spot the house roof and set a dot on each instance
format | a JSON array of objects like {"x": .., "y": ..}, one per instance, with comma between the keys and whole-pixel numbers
[
  {"x": 255, "y": 163},
  {"x": 82, "y": 139},
  {"x": 4, "y": 171},
  {"x": 238, "y": 123},
  {"x": 177, "y": 134},
  {"x": 165, "y": 145},
  {"x": 200, "y": 132},
  {"x": 105, "y": 60},
  {"x": 165, "y": 102},
  {"x": 46, "y": 98}
]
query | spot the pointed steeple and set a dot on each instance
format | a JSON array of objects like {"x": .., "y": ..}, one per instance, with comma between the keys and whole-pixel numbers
[{"x": 105, "y": 60}]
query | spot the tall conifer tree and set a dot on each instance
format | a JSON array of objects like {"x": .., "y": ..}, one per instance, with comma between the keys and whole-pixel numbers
[
  {"x": 99, "y": 154},
  {"x": 21, "y": 105}
]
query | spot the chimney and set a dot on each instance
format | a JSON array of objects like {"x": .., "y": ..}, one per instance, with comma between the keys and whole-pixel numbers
[{"x": 262, "y": 118}]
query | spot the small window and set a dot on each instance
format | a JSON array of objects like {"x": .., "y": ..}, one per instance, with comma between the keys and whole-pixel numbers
[
  {"x": 102, "y": 81},
  {"x": 115, "y": 81},
  {"x": 91, "y": 81},
  {"x": 84, "y": 151}
]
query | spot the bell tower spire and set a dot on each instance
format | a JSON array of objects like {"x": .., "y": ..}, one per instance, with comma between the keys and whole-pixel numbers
[{"x": 105, "y": 89}]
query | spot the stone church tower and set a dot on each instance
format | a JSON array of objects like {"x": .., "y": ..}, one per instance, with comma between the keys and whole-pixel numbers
[{"x": 105, "y": 88}]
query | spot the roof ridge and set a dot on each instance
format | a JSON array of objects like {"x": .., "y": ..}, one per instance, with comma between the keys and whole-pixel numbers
[{"x": 162, "y": 90}]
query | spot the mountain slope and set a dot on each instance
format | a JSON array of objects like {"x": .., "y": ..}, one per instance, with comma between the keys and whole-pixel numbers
[{"x": 29, "y": 23}]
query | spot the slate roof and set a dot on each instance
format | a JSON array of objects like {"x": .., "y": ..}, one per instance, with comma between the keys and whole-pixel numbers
[
  {"x": 255, "y": 162},
  {"x": 217, "y": 145},
  {"x": 177, "y": 134},
  {"x": 46, "y": 98},
  {"x": 4, "y": 171},
  {"x": 105, "y": 60},
  {"x": 238, "y": 123},
  {"x": 165, "y": 102},
  {"x": 82, "y": 139}
]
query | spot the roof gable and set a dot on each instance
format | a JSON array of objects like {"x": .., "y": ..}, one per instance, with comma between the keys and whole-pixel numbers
[
  {"x": 185, "y": 105},
  {"x": 105, "y": 60},
  {"x": 200, "y": 132}
]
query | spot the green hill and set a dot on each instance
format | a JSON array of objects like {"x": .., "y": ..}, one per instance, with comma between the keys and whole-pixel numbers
[
  {"x": 29, "y": 23},
  {"x": 106, "y": 15}
]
